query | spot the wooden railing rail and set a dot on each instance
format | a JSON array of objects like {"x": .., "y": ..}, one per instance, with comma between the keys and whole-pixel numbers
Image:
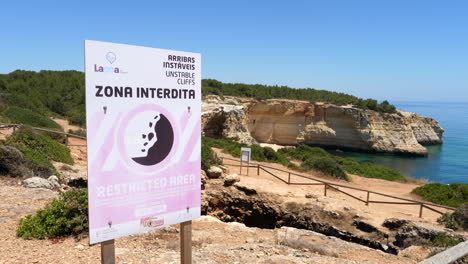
[
  {"x": 336, "y": 187},
  {"x": 7, "y": 125}
]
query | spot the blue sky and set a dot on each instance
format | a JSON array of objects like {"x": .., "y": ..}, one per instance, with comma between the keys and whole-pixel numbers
[{"x": 397, "y": 50}]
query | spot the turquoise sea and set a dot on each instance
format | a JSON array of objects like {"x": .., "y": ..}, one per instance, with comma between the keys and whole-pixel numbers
[{"x": 446, "y": 163}]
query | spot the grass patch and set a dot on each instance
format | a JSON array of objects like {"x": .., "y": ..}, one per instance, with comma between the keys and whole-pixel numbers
[
  {"x": 25, "y": 116},
  {"x": 325, "y": 165},
  {"x": 264, "y": 154},
  {"x": 369, "y": 170},
  {"x": 365, "y": 169},
  {"x": 64, "y": 216},
  {"x": 38, "y": 147},
  {"x": 456, "y": 220},
  {"x": 442, "y": 240},
  {"x": 208, "y": 156},
  {"x": 454, "y": 194}
]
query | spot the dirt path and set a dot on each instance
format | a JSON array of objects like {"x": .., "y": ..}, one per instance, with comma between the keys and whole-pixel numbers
[
  {"x": 5, "y": 132},
  {"x": 213, "y": 241},
  {"x": 65, "y": 124},
  {"x": 335, "y": 201}
]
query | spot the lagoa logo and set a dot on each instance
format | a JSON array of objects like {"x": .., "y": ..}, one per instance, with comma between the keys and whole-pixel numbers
[
  {"x": 111, "y": 58},
  {"x": 149, "y": 138}
]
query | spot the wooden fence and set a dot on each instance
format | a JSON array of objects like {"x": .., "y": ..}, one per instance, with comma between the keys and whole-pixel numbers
[
  {"x": 339, "y": 188},
  {"x": 15, "y": 126}
]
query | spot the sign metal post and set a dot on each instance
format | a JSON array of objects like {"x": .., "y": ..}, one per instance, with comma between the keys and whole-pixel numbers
[{"x": 245, "y": 157}]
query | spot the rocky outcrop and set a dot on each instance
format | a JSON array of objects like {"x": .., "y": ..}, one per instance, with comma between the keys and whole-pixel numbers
[
  {"x": 37, "y": 182},
  {"x": 290, "y": 122},
  {"x": 426, "y": 130},
  {"x": 14, "y": 164},
  {"x": 215, "y": 172},
  {"x": 225, "y": 121},
  {"x": 407, "y": 233}
]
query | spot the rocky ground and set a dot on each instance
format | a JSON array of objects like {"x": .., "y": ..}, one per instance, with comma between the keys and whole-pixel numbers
[{"x": 213, "y": 241}]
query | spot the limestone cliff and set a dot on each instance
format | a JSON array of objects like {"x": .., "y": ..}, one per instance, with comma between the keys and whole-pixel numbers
[
  {"x": 225, "y": 121},
  {"x": 288, "y": 122}
]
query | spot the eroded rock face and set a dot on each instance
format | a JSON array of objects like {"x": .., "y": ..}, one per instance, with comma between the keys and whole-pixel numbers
[
  {"x": 221, "y": 120},
  {"x": 426, "y": 130},
  {"x": 290, "y": 122},
  {"x": 266, "y": 210}
]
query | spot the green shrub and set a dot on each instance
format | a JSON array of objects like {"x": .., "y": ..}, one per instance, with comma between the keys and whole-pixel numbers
[
  {"x": 325, "y": 165},
  {"x": 258, "y": 153},
  {"x": 77, "y": 117},
  {"x": 64, "y": 216},
  {"x": 39, "y": 147},
  {"x": 25, "y": 116},
  {"x": 443, "y": 240},
  {"x": 39, "y": 163},
  {"x": 208, "y": 157},
  {"x": 454, "y": 194},
  {"x": 365, "y": 169},
  {"x": 369, "y": 170},
  {"x": 303, "y": 152}
]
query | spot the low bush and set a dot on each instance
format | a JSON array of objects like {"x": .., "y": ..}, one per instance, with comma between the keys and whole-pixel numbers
[
  {"x": 39, "y": 147},
  {"x": 303, "y": 152},
  {"x": 442, "y": 240},
  {"x": 317, "y": 158},
  {"x": 77, "y": 117},
  {"x": 365, "y": 169},
  {"x": 454, "y": 194},
  {"x": 209, "y": 157},
  {"x": 25, "y": 116},
  {"x": 369, "y": 170},
  {"x": 325, "y": 165},
  {"x": 456, "y": 220},
  {"x": 64, "y": 216},
  {"x": 258, "y": 153}
]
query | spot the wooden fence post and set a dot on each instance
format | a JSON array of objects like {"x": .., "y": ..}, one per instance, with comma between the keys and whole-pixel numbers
[
  {"x": 420, "y": 210},
  {"x": 289, "y": 178},
  {"x": 186, "y": 242},
  {"x": 108, "y": 252},
  {"x": 367, "y": 201},
  {"x": 258, "y": 169},
  {"x": 325, "y": 189}
]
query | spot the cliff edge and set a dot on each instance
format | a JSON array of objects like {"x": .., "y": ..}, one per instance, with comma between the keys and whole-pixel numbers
[{"x": 292, "y": 122}]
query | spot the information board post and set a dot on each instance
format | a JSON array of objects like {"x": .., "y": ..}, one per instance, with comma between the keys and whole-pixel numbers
[
  {"x": 245, "y": 157},
  {"x": 108, "y": 252},
  {"x": 143, "y": 119},
  {"x": 186, "y": 242}
]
